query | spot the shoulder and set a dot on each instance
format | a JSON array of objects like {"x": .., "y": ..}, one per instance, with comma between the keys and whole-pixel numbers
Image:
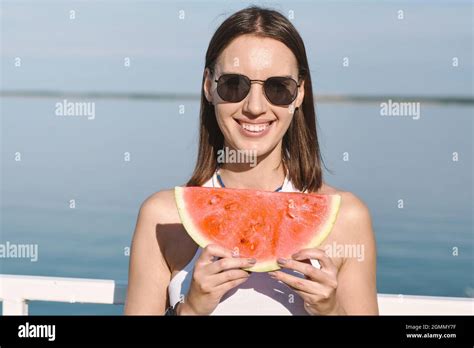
[
  {"x": 160, "y": 206},
  {"x": 354, "y": 218},
  {"x": 353, "y": 207}
]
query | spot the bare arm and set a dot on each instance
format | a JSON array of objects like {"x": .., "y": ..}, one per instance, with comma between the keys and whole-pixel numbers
[
  {"x": 149, "y": 274},
  {"x": 357, "y": 288}
]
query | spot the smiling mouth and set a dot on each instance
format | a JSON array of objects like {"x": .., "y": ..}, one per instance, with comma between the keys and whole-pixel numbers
[{"x": 254, "y": 127}]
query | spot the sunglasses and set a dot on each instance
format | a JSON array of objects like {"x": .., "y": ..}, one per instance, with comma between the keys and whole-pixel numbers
[{"x": 278, "y": 90}]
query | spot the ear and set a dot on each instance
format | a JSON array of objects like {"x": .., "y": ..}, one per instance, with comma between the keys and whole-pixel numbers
[
  {"x": 300, "y": 97},
  {"x": 208, "y": 80}
]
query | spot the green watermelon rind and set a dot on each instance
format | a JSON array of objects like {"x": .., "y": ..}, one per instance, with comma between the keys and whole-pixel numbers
[{"x": 262, "y": 266}]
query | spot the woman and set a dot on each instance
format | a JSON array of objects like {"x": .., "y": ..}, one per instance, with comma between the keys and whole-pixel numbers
[{"x": 256, "y": 96}]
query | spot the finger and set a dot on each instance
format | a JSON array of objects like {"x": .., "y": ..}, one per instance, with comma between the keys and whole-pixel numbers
[
  {"x": 211, "y": 251},
  {"x": 297, "y": 282},
  {"x": 227, "y": 276},
  {"x": 314, "y": 299},
  {"x": 311, "y": 300},
  {"x": 308, "y": 299},
  {"x": 230, "y": 285},
  {"x": 229, "y": 263},
  {"x": 318, "y": 254},
  {"x": 308, "y": 270}
]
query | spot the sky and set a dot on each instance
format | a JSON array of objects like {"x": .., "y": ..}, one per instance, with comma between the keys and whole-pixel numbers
[{"x": 387, "y": 55}]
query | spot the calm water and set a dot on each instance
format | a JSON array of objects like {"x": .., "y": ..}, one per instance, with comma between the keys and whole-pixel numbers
[{"x": 390, "y": 158}]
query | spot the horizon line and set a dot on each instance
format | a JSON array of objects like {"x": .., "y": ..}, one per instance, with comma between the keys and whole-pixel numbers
[{"x": 336, "y": 98}]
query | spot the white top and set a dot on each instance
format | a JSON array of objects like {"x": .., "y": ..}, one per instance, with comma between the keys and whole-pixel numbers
[{"x": 258, "y": 295}]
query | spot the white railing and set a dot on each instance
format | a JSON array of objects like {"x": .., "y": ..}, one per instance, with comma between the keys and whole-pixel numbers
[{"x": 17, "y": 290}]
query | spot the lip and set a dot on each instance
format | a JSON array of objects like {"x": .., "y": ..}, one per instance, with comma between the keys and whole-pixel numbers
[
  {"x": 239, "y": 121},
  {"x": 253, "y": 134}
]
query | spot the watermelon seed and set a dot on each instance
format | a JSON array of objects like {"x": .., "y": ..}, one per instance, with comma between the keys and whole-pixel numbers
[
  {"x": 214, "y": 200},
  {"x": 291, "y": 205},
  {"x": 255, "y": 225},
  {"x": 230, "y": 206}
]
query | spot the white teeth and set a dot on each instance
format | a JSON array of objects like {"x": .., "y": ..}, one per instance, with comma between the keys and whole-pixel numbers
[{"x": 255, "y": 127}]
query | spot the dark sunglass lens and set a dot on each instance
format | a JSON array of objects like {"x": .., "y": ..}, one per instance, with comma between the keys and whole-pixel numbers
[
  {"x": 232, "y": 88},
  {"x": 281, "y": 90}
]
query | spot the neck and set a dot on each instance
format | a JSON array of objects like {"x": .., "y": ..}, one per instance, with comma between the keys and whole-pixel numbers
[{"x": 268, "y": 174}]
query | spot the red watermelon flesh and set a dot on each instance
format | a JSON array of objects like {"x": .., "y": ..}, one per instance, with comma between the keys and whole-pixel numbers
[{"x": 260, "y": 224}]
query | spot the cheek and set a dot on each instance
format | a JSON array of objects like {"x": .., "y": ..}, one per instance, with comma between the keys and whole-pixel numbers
[
  {"x": 284, "y": 115},
  {"x": 224, "y": 117}
]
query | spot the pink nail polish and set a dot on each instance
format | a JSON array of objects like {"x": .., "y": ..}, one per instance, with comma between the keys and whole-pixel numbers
[{"x": 281, "y": 260}]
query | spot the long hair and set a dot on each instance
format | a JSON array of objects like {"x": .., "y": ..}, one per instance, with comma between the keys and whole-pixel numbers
[{"x": 301, "y": 154}]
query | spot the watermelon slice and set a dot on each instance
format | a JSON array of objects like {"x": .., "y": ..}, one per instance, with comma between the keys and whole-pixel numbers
[{"x": 259, "y": 224}]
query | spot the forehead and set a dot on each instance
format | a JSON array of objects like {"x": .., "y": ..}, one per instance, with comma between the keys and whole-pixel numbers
[{"x": 257, "y": 57}]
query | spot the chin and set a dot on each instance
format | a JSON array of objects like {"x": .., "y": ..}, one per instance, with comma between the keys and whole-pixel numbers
[{"x": 257, "y": 148}]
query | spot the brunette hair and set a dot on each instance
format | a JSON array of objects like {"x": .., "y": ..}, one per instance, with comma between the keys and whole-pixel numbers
[{"x": 301, "y": 154}]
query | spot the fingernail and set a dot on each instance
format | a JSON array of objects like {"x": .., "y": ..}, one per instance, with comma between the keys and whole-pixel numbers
[
  {"x": 296, "y": 255},
  {"x": 252, "y": 260},
  {"x": 272, "y": 274},
  {"x": 281, "y": 261}
]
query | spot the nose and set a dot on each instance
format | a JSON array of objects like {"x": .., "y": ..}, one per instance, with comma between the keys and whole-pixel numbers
[{"x": 255, "y": 103}]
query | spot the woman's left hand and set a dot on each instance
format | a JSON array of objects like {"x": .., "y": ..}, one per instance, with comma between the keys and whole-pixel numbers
[{"x": 318, "y": 290}]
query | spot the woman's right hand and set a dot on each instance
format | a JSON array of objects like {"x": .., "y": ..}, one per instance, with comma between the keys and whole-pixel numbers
[{"x": 212, "y": 279}]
